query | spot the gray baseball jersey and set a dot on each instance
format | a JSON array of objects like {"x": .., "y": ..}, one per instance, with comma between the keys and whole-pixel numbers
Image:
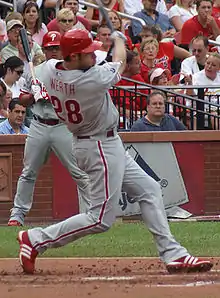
[{"x": 87, "y": 110}]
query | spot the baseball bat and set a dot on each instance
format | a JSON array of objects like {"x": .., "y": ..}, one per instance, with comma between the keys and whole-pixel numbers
[
  {"x": 104, "y": 14},
  {"x": 27, "y": 51}
]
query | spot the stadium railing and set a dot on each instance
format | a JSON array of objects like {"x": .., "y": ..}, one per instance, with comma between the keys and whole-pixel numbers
[
  {"x": 196, "y": 112},
  {"x": 10, "y": 5}
]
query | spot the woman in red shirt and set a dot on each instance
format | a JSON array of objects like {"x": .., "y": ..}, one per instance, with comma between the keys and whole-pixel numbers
[
  {"x": 167, "y": 50},
  {"x": 92, "y": 14},
  {"x": 149, "y": 50}
]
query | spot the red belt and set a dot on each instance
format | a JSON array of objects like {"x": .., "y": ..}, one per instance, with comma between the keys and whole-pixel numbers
[
  {"x": 110, "y": 133},
  {"x": 46, "y": 121}
]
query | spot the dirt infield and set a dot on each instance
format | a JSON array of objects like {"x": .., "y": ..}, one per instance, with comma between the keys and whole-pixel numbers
[{"x": 105, "y": 278}]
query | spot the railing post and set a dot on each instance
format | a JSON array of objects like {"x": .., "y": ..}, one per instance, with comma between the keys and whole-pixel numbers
[{"x": 200, "y": 119}]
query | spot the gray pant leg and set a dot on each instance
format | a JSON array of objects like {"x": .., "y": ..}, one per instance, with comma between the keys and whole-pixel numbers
[
  {"x": 105, "y": 167},
  {"x": 35, "y": 154},
  {"x": 147, "y": 192},
  {"x": 62, "y": 145}
]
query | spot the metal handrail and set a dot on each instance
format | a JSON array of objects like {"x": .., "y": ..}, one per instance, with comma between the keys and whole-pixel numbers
[
  {"x": 8, "y": 4},
  {"x": 213, "y": 42},
  {"x": 167, "y": 89},
  {"x": 175, "y": 103},
  {"x": 124, "y": 15}
]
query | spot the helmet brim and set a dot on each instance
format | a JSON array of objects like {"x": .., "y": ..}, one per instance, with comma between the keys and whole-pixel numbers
[
  {"x": 94, "y": 46},
  {"x": 51, "y": 44}
]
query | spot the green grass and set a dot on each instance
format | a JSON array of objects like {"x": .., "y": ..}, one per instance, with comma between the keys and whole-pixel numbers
[{"x": 127, "y": 239}]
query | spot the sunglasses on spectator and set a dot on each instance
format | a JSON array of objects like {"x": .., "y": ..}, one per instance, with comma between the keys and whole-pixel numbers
[
  {"x": 65, "y": 21},
  {"x": 19, "y": 72}
]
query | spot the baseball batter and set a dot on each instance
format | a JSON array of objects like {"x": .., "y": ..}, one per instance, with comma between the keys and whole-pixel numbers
[
  {"x": 47, "y": 133},
  {"x": 79, "y": 94}
]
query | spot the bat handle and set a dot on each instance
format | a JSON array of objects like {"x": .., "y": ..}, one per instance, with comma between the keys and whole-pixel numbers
[{"x": 32, "y": 72}]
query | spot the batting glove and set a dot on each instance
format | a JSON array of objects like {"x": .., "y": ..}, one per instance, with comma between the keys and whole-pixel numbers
[
  {"x": 39, "y": 91},
  {"x": 118, "y": 34}
]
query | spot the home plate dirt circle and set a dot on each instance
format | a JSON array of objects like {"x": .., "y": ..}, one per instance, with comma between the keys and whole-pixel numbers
[{"x": 106, "y": 278}]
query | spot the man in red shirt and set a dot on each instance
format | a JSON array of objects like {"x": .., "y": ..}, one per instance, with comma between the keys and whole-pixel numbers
[
  {"x": 132, "y": 104},
  {"x": 204, "y": 23},
  {"x": 74, "y": 6}
]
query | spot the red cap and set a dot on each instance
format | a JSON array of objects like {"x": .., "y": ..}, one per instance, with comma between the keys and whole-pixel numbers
[
  {"x": 51, "y": 38},
  {"x": 78, "y": 41}
]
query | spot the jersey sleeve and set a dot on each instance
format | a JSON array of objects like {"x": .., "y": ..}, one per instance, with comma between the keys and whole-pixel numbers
[
  {"x": 108, "y": 74},
  {"x": 26, "y": 88}
]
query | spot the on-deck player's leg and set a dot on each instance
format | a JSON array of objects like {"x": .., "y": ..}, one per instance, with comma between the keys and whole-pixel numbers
[
  {"x": 40, "y": 141},
  {"x": 37, "y": 149}
]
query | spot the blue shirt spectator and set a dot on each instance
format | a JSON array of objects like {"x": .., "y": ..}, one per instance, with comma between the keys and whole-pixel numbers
[
  {"x": 151, "y": 17},
  {"x": 15, "y": 122},
  {"x": 6, "y": 128},
  {"x": 156, "y": 119},
  {"x": 167, "y": 123}
]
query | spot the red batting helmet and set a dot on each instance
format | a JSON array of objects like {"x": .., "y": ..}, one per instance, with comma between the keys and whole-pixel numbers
[
  {"x": 51, "y": 38},
  {"x": 78, "y": 41}
]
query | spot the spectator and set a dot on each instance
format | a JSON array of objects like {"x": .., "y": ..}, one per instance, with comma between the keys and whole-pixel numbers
[
  {"x": 13, "y": 27},
  {"x": 12, "y": 48},
  {"x": 216, "y": 9},
  {"x": 182, "y": 11},
  {"x": 11, "y": 72},
  {"x": 131, "y": 6},
  {"x": 120, "y": 24},
  {"x": 152, "y": 17},
  {"x": 209, "y": 76},
  {"x": 203, "y": 23},
  {"x": 195, "y": 63},
  {"x": 161, "y": 77},
  {"x": 93, "y": 14},
  {"x": 156, "y": 119},
  {"x": 65, "y": 21},
  {"x": 15, "y": 122},
  {"x": 103, "y": 35},
  {"x": 149, "y": 50},
  {"x": 167, "y": 50},
  {"x": 131, "y": 102},
  {"x": 3, "y": 101},
  {"x": 32, "y": 21},
  {"x": 73, "y": 5}
]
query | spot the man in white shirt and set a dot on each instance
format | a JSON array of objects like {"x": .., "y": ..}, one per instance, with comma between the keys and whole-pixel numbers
[
  {"x": 133, "y": 6},
  {"x": 195, "y": 63}
]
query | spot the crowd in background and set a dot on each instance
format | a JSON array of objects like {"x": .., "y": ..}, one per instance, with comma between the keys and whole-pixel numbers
[{"x": 172, "y": 49}]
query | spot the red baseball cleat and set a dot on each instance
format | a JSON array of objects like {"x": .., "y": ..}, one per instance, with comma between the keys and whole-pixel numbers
[
  {"x": 27, "y": 254},
  {"x": 189, "y": 264},
  {"x": 14, "y": 223}
]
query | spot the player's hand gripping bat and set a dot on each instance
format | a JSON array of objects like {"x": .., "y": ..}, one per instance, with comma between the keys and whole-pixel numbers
[{"x": 27, "y": 51}]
